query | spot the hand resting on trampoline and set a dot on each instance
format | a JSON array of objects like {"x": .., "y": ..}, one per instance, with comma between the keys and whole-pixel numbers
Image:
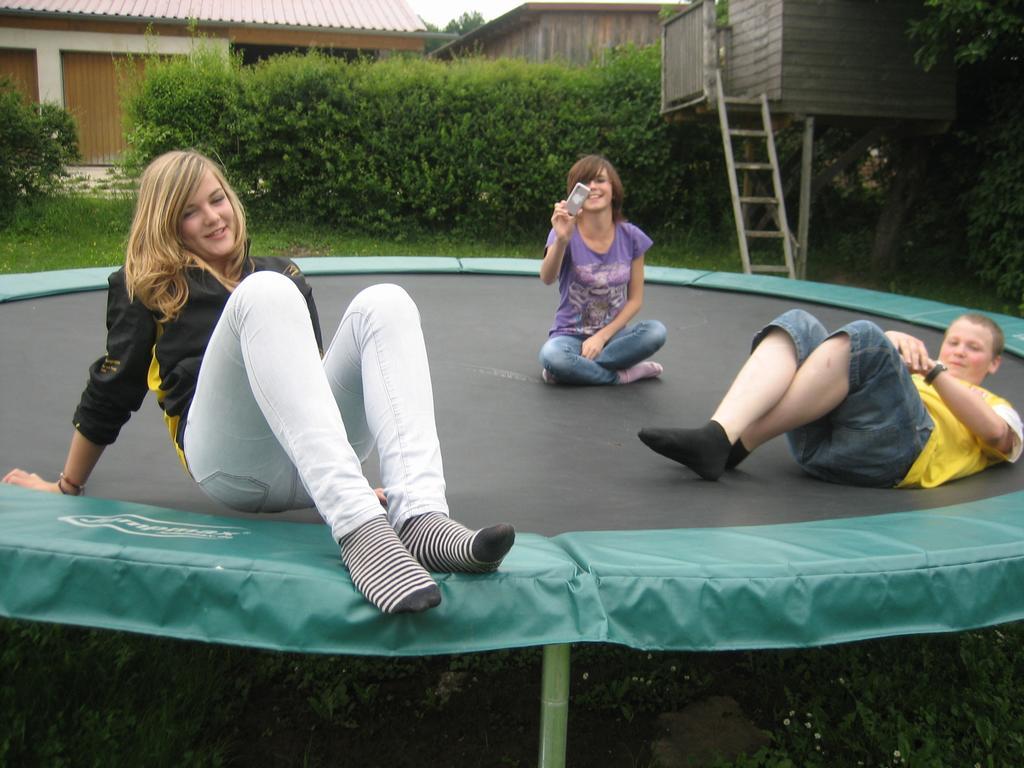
[
  {"x": 859, "y": 406},
  {"x": 231, "y": 346},
  {"x": 598, "y": 259}
]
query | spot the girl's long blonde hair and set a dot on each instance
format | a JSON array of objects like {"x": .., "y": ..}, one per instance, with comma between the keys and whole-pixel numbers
[{"x": 156, "y": 259}]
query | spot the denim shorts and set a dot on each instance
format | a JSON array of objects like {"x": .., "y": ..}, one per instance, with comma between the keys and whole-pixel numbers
[{"x": 875, "y": 435}]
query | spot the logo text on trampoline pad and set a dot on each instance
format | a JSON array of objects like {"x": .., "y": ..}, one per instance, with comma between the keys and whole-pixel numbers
[
  {"x": 137, "y": 525},
  {"x": 499, "y": 373}
]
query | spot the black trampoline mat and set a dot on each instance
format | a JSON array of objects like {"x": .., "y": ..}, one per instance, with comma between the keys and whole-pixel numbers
[{"x": 548, "y": 459}]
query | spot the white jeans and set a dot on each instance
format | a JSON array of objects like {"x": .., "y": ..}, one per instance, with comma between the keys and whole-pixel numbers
[{"x": 274, "y": 427}]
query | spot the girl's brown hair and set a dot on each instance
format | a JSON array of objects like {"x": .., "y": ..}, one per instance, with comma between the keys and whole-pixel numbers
[
  {"x": 156, "y": 259},
  {"x": 584, "y": 171}
]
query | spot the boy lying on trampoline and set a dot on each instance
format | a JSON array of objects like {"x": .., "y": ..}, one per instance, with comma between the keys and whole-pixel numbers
[
  {"x": 231, "y": 347},
  {"x": 860, "y": 406}
]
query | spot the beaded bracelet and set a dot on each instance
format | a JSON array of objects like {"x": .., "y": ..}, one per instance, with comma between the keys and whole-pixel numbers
[{"x": 78, "y": 489}]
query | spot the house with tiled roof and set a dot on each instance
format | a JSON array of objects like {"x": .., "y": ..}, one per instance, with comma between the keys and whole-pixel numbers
[{"x": 68, "y": 51}]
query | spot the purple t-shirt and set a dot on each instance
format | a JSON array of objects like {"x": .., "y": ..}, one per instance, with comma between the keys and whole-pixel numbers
[{"x": 593, "y": 285}]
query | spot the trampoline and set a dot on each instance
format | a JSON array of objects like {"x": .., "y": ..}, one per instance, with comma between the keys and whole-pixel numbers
[{"x": 616, "y": 544}]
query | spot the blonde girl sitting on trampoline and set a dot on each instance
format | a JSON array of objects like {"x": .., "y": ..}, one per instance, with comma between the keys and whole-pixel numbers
[
  {"x": 231, "y": 347},
  {"x": 860, "y": 406},
  {"x": 598, "y": 259}
]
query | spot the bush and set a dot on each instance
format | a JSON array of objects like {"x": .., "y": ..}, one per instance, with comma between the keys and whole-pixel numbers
[
  {"x": 182, "y": 102},
  {"x": 405, "y": 145},
  {"x": 995, "y": 206},
  {"x": 674, "y": 174},
  {"x": 36, "y": 142}
]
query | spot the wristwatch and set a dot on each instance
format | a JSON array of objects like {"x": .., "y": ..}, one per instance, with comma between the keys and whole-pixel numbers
[{"x": 935, "y": 371}]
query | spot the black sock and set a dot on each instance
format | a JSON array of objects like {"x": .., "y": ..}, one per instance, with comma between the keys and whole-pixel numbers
[
  {"x": 703, "y": 450},
  {"x": 444, "y": 545},
  {"x": 738, "y": 453},
  {"x": 384, "y": 571}
]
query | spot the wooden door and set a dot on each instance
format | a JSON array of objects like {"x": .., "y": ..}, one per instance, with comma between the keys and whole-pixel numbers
[
  {"x": 20, "y": 66},
  {"x": 92, "y": 94}
]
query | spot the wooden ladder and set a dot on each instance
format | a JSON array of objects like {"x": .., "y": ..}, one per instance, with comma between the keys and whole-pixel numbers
[{"x": 746, "y": 203}]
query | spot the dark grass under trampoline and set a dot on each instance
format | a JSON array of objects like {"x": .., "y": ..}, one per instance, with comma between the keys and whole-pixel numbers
[{"x": 617, "y": 544}]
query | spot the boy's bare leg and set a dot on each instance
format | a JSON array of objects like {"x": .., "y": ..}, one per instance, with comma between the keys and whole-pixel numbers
[
  {"x": 759, "y": 386},
  {"x": 769, "y": 396},
  {"x": 818, "y": 387}
]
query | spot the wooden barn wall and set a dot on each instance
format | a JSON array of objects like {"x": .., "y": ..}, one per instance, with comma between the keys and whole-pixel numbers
[
  {"x": 516, "y": 42},
  {"x": 754, "y": 63},
  {"x": 573, "y": 37},
  {"x": 20, "y": 66},
  {"x": 853, "y": 57}
]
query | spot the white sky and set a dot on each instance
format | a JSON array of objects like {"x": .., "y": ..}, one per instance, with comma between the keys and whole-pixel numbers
[{"x": 440, "y": 12}]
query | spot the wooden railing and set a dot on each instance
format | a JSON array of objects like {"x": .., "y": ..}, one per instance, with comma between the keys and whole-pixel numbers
[{"x": 691, "y": 45}]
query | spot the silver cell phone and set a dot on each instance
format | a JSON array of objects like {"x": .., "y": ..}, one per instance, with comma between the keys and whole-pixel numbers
[{"x": 577, "y": 196}]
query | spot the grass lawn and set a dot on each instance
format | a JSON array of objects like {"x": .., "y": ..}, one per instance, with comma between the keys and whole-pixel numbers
[
  {"x": 81, "y": 231},
  {"x": 72, "y": 696}
]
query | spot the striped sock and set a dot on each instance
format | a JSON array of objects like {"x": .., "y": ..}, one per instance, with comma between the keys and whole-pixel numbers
[
  {"x": 384, "y": 571},
  {"x": 444, "y": 545}
]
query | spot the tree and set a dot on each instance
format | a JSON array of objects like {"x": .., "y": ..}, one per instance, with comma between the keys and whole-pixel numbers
[
  {"x": 466, "y": 23},
  {"x": 973, "y": 30},
  {"x": 985, "y": 38},
  {"x": 949, "y": 199}
]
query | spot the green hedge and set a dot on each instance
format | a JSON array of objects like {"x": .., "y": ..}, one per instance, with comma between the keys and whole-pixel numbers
[
  {"x": 36, "y": 142},
  {"x": 408, "y": 145}
]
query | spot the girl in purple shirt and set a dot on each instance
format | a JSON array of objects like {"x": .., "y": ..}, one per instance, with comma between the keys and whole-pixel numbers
[{"x": 598, "y": 259}]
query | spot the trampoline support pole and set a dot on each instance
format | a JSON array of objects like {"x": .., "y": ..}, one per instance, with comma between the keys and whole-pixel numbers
[{"x": 554, "y": 706}]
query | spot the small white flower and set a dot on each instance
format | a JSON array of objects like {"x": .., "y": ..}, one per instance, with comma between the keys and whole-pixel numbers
[
  {"x": 807, "y": 726},
  {"x": 817, "y": 736},
  {"x": 896, "y": 754},
  {"x": 672, "y": 668},
  {"x": 785, "y": 721},
  {"x": 586, "y": 675}
]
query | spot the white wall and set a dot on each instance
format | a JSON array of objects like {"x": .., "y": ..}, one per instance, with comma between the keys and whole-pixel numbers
[{"x": 49, "y": 44}]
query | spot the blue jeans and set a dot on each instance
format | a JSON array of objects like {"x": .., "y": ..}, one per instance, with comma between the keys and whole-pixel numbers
[
  {"x": 561, "y": 357},
  {"x": 874, "y": 436},
  {"x": 274, "y": 427}
]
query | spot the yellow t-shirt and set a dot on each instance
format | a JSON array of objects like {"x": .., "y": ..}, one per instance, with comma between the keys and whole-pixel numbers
[{"x": 953, "y": 451}]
